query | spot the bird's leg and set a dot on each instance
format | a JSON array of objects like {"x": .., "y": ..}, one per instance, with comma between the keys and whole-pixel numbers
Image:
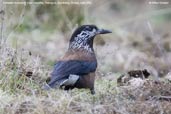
[{"x": 92, "y": 91}]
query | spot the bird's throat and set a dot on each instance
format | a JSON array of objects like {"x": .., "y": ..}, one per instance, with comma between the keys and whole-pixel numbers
[{"x": 81, "y": 47}]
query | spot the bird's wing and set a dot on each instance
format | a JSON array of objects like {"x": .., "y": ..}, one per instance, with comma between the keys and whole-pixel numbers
[{"x": 63, "y": 69}]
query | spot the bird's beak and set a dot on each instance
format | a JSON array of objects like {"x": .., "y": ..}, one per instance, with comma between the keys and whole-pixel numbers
[{"x": 103, "y": 31}]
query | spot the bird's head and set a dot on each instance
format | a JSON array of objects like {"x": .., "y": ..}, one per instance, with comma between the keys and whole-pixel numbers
[{"x": 82, "y": 38}]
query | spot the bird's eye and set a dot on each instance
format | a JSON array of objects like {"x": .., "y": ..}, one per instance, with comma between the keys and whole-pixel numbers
[{"x": 88, "y": 28}]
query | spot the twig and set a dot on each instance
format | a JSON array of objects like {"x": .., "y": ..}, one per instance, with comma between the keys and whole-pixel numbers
[
  {"x": 157, "y": 41},
  {"x": 20, "y": 21},
  {"x": 63, "y": 12},
  {"x": 2, "y": 13},
  {"x": 167, "y": 98}
]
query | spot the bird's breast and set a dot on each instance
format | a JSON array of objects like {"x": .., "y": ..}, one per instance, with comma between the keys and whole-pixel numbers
[{"x": 79, "y": 55}]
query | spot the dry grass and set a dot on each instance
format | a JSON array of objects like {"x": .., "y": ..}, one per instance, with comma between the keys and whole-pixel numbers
[{"x": 31, "y": 45}]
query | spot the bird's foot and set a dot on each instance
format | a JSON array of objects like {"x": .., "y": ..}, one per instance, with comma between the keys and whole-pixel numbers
[{"x": 92, "y": 91}]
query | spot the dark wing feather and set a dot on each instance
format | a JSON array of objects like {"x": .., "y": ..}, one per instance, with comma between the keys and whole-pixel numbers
[{"x": 63, "y": 69}]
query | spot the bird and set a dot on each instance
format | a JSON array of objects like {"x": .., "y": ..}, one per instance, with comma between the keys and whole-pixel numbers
[{"x": 76, "y": 69}]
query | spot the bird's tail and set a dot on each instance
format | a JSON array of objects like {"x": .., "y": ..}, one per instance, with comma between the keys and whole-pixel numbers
[
  {"x": 46, "y": 87},
  {"x": 51, "y": 85},
  {"x": 71, "y": 80}
]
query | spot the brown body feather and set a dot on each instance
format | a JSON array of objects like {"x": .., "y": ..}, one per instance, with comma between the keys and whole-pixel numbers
[
  {"x": 86, "y": 81},
  {"x": 79, "y": 55}
]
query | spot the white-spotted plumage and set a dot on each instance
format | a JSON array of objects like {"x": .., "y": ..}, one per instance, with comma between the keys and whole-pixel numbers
[{"x": 80, "y": 41}]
